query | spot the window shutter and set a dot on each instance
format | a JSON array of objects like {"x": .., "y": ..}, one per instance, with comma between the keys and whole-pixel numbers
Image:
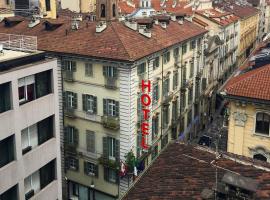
[
  {"x": 85, "y": 167},
  {"x": 66, "y": 134},
  {"x": 75, "y": 104},
  {"x": 96, "y": 170},
  {"x": 84, "y": 99},
  {"x": 63, "y": 64},
  {"x": 105, "y": 69},
  {"x": 115, "y": 72},
  {"x": 76, "y": 136},
  {"x": 66, "y": 163},
  {"x": 105, "y": 106},
  {"x": 73, "y": 66},
  {"x": 95, "y": 105},
  {"x": 106, "y": 173},
  {"x": 77, "y": 164},
  {"x": 117, "y": 108},
  {"x": 90, "y": 141},
  {"x": 64, "y": 99},
  {"x": 117, "y": 150},
  {"x": 105, "y": 148}
]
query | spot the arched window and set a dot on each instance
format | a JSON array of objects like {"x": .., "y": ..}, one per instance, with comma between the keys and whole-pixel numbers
[
  {"x": 262, "y": 123},
  {"x": 103, "y": 10},
  {"x": 260, "y": 157},
  {"x": 113, "y": 10}
]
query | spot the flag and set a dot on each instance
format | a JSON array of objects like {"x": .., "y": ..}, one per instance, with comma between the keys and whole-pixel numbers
[{"x": 123, "y": 170}]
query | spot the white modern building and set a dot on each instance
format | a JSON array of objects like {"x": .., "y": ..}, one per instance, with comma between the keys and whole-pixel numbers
[{"x": 30, "y": 165}]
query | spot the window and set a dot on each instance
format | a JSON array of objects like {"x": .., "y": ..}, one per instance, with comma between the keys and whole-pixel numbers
[
  {"x": 72, "y": 163},
  {"x": 155, "y": 93},
  {"x": 190, "y": 95},
  {"x": 109, "y": 71},
  {"x": 184, "y": 75},
  {"x": 29, "y": 138},
  {"x": 113, "y": 10},
  {"x": 192, "y": 45},
  {"x": 166, "y": 87},
  {"x": 31, "y": 185},
  {"x": 141, "y": 68},
  {"x": 103, "y": 10},
  {"x": 90, "y": 141},
  {"x": 164, "y": 141},
  {"x": 88, "y": 69},
  {"x": 176, "y": 52},
  {"x": 45, "y": 129},
  {"x": 10, "y": 194},
  {"x": 189, "y": 117},
  {"x": 110, "y": 107},
  {"x": 71, "y": 135},
  {"x": 174, "y": 110},
  {"x": 5, "y": 97},
  {"x": 166, "y": 117},
  {"x": 70, "y": 100},
  {"x": 43, "y": 83},
  {"x": 69, "y": 65},
  {"x": 90, "y": 169},
  {"x": 262, "y": 123},
  {"x": 26, "y": 89},
  {"x": 183, "y": 101},
  {"x": 260, "y": 157},
  {"x": 184, "y": 49},
  {"x": 48, "y": 5},
  {"x": 110, "y": 175},
  {"x": 155, "y": 124},
  {"x": 191, "y": 72},
  {"x": 166, "y": 57},
  {"x": 175, "y": 80},
  {"x": 89, "y": 103},
  {"x": 154, "y": 152},
  {"x": 156, "y": 63},
  {"x": 47, "y": 174},
  {"x": 111, "y": 148},
  {"x": 7, "y": 150}
]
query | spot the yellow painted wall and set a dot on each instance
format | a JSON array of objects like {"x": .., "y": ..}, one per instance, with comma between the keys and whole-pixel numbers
[
  {"x": 50, "y": 14},
  {"x": 241, "y": 139}
]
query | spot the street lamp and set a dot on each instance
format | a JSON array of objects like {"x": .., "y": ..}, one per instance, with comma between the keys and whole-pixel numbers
[{"x": 92, "y": 186}]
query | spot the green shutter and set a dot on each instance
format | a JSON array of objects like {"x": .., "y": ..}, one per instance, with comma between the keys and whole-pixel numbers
[
  {"x": 106, "y": 173},
  {"x": 84, "y": 99},
  {"x": 105, "y": 69},
  {"x": 117, "y": 150},
  {"x": 95, "y": 105},
  {"x": 66, "y": 163},
  {"x": 73, "y": 66},
  {"x": 63, "y": 63},
  {"x": 105, "y": 106},
  {"x": 115, "y": 72},
  {"x": 96, "y": 170},
  {"x": 105, "y": 148},
  {"x": 75, "y": 101},
  {"x": 77, "y": 164},
  {"x": 117, "y": 108},
  {"x": 66, "y": 134},
  {"x": 64, "y": 97},
  {"x": 85, "y": 167},
  {"x": 76, "y": 136}
]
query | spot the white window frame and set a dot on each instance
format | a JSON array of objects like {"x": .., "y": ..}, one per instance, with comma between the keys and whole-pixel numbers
[
  {"x": 24, "y": 82},
  {"x": 90, "y": 103},
  {"x": 71, "y": 135},
  {"x": 111, "y": 147},
  {"x": 70, "y": 100},
  {"x": 110, "y": 71},
  {"x": 90, "y": 172},
  {"x": 111, "y": 175},
  {"x": 111, "y": 107},
  {"x": 72, "y": 165}
]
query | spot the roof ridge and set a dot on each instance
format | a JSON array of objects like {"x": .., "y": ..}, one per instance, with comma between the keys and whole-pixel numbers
[
  {"x": 114, "y": 30},
  {"x": 252, "y": 74}
]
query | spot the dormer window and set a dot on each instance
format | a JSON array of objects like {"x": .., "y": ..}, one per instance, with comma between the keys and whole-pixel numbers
[
  {"x": 262, "y": 123},
  {"x": 49, "y": 26},
  {"x": 13, "y": 21}
]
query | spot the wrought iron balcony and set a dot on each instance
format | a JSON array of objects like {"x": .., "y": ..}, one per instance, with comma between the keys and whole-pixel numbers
[
  {"x": 70, "y": 112},
  {"x": 110, "y": 122},
  {"x": 68, "y": 75},
  {"x": 110, "y": 83}
]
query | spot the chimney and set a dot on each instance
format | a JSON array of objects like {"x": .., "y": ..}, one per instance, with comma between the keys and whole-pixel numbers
[
  {"x": 34, "y": 21},
  {"x": 163, "y": 25},
  {"x": 74, "y": 24},
  {"x": 144, "y": 31},
  {"x": 181, "y": 21},
  {"x": 132, "y": 25},
  {"x": 173, "y": 18},
  {"x": 156, "y": 21},
  {"x": 101, "y": 26}
]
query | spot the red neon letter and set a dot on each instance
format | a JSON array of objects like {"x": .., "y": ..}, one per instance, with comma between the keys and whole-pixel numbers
[
  {"x": 146, "y": 102},
  {"x": 143, "y": 143},
  {"x": 148, "y": 85},
  {"x": 145, "y": 128},
  {"x": 145, "y": 114}
]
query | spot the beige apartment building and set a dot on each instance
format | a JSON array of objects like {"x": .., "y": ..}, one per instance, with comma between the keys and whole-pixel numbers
[
  {"x": 80, "y": 6},
  {"x": 30, "y": 164}
]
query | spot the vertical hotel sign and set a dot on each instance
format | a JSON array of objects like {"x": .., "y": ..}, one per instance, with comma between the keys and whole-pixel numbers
[{"x": 145, "y": 102}]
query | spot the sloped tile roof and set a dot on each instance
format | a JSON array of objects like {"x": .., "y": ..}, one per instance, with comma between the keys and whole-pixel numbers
[
  {"x": 253, "y": 84},
  {"x": 182, "y": 172},
  {"x": 116, "y": 42}
]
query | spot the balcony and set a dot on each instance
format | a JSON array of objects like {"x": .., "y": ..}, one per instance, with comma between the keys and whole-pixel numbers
[
  {"x": 110, "y": 83},
  {"x": 70, "y": 112},
  {"x": 110, "y": 122},
  {"x": 167, "y": 97},
  {"x": 68, "y": 76}
]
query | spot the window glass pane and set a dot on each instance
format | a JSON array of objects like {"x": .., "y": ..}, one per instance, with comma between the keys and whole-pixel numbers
[
  {"x": 30, "y": 92},
  {"x": 21, "y": 93},
  {"x": 5, "y": 98}
]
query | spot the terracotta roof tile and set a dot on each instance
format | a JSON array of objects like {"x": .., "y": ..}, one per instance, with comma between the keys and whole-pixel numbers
[
  {"x": 116, "y": 42},
  {"x": 253, "y": 84},
  {"x": 183, "y": 171}
]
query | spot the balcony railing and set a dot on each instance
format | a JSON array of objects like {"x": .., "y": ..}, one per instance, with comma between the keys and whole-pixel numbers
[
  {"x": 68, "y": 75},
  {"x": 71, "y": 149},
  {"x": 110, "y": 122},
  {"x": 167, "y": 97},
  {"x": 110, "y": 83},
  {"x": 70, "y": 112}
]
